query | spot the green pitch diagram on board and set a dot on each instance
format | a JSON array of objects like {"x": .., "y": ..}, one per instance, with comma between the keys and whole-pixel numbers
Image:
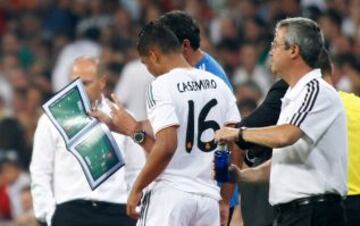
[
  {"x": 98, "y": 153},
  {"x": 70, "y": 113},
  {"x": 89, "y": 140}
]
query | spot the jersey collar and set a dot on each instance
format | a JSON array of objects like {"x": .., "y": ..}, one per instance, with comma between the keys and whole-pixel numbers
[{"x": 293, "y": 92}]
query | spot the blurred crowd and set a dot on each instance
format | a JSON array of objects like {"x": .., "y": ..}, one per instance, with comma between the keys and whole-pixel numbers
[{"x": 41, "y": 38}]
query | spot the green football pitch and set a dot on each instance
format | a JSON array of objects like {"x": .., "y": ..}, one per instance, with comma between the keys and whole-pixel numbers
[
  {"x": 97, "y": 152},
  {"x": 70, "y": 113}
]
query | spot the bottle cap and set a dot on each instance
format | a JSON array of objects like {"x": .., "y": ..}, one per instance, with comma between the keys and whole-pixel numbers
[{"x": 222, "y": 147}]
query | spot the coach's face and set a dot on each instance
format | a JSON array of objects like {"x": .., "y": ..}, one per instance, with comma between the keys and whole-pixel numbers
[
  {"x": 279, "y": 52},
  {"x": 87, "y": 71}
]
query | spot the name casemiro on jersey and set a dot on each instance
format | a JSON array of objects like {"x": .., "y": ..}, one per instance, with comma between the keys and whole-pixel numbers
[{"x": 202, "y": 84}]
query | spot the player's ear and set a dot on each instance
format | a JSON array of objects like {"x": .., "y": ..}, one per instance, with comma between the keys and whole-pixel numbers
[
  {"x": 295, "y": 51},
  {"x": 186, "y": 47},
  {"x": 186, "y": 44},
  {"x": 153, "y": 55}
]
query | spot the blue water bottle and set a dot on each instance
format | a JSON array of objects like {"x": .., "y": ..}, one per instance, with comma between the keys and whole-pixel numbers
[{"x": 222, "y": 163}]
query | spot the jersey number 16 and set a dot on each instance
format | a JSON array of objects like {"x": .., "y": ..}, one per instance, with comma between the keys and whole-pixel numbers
[{"x": 203, "y": 125}]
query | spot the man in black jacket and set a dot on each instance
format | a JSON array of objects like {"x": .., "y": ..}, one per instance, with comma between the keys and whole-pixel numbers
[{"x": 255, "y": 196}]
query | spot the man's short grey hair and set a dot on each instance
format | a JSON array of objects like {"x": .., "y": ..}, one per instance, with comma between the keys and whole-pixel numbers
[{"x": 306, "y": 34}]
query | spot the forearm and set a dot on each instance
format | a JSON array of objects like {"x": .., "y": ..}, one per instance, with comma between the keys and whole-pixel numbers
[
  {"x": 272, "y": 136},
  {"x": 157, "y": 161},
  {"x": 227, "y": 189},
  {"x": 237, "y": 155}
]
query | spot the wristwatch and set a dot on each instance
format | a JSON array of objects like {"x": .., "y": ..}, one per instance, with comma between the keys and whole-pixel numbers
[
  {"x": 139, "y": 136},
  {"x": 240, "y": 134}
]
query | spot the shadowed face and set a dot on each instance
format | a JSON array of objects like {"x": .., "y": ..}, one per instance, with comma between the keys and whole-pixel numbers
[
  {"x": 153, "y": 62},
  {"x": 87, "y": 71}
]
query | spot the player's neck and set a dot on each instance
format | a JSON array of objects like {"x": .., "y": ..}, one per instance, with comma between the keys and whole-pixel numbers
[
  {"x": 295, "y": 73},
  {"x": 327, "y": 78},
  {"x": 176, "y": 61},
  {"x": 196, "y": 57}
]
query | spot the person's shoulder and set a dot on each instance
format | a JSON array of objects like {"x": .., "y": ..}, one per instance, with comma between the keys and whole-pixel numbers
[
  {"x": 212, "y": 65},
  {"x": 161, "y": 81},
  {"x": 134, "y": 64},
  {"x": 164, "y": 78},
  {"x": 349, "y": 97},
  {"x": 326, "y": 87},
  {"x": 210, "y": 59},
  {"x": 133, "y": 68},
  {"x": 280, "y": 84},
  {"x": 328, "y": 93},
  {"x": 44, "y": 123},
  {"x": 173, "y": 74},
  {"x": 43, "y": 118},
  {"x": 86, "y": 43},
  {"x": 279, "y": 89},
  {"x": 205, "y": 74},
  {"x": 350, "y": 100}
]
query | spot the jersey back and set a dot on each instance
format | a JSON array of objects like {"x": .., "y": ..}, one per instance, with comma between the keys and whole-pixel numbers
[{"x": 199, "y": 103}]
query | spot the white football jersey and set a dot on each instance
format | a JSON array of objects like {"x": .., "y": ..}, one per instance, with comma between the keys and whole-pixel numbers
[{"x": 199, "y": 103}]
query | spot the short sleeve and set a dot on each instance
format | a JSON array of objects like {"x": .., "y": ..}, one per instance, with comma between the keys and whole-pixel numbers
[
  {"x": 232, "y": 111},
  {"x": 160, "y": 107},
  {"x": 315, "y": 112}
]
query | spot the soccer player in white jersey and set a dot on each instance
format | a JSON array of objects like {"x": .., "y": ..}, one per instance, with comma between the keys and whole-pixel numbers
[{"x": 185, "y": 107}]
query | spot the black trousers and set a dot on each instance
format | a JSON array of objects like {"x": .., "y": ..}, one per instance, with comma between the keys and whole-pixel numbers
[
  {"x": 352, "y": 210},
  {"x": 324, "y": 213},
  {"x": 88, "y": 213}
]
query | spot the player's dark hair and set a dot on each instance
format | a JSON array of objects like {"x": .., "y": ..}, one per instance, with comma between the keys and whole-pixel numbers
[
  {"x": 184, "y": 27},
  {"x": 157, "y": 35},
  {"x": 324, "y": 62}
]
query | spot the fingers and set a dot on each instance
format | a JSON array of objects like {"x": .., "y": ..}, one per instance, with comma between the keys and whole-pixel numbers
[
  {"x": 218, "y": 137},
  {"x": 116, "y": 100},
  {"x": 115, "y": 105},
  {"x": 132, "y": 211},
  {"x": 132, "y": 208},
  {"x": 96, "y": 114},
  {"x": 94, "y": 107},
  {"x": 225, "y": 135},
  {"x": 101, "y": 116},
  {"x": 112, "y": 106}
]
